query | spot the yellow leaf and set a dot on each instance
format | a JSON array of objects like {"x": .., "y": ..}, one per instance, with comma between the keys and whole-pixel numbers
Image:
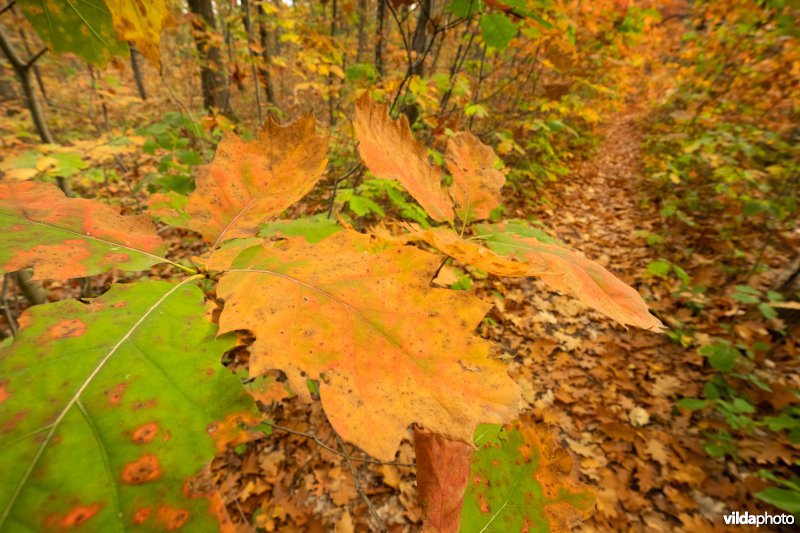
[
  {"x": 140, "y": 22},
  {"x": 388, "y": 349}
]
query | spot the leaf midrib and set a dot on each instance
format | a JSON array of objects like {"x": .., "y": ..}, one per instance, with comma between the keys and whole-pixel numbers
[{"x": 85, "y": 236}]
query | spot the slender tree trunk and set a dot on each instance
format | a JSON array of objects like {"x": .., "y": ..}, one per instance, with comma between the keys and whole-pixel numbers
[
  {"x": 7, "y": 90},
  {"x": 331, "y": 102},
  {"x": 419, "y": 43},
  {"x": 379, "y": 36},
  {"x": 137, "y": 73},
  {"x": 23, "y": 71},
  {"x": 362, "y": 30},
  {"x": 266, "y": 56},
  {"x": 248, "y": 26},
  {"x": 103, "y": 106},
  {"x": 211, "y": 77},
  {"x": 36, "y": 72}
]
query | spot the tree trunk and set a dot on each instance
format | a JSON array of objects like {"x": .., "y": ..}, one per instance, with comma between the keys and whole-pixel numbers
[
  {"x": 7, "y": 90},
  {"x": 266, "y": 75},
  {"x": 36, "y": 72},
  {"x": 248, "y": 26},
  {"x": 362, "y": 30},
  {"x": 331, "y": 102},
  {"x": 137, "y": 73},
  {"x": 211, "y": 77},
  {"x": 419, "y": 43},
  {"x": 379, "y": 37},
  {"x": 23, "y": 71}
]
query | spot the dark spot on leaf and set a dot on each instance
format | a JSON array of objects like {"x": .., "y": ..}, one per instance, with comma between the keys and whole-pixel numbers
[
  {"x": 79, "y": 515},
  {"x": 141, "y": 515},
  {"x": 172, "y": 518},
  {"x": 142, "y": 470},
  {"x": 144, "y": 434},
  {"x": 115, "y": 395},
  {"x": 68, "y": 328}
]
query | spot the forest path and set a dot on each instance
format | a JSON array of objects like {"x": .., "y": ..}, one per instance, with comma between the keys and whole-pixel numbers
[{"x": 611, "y": 391}]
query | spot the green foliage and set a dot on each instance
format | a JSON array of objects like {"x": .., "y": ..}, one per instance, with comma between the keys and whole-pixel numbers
[
  {"x": 178, "y": 141},
  {"x": 314, "y": 229},
  {"x": 377, "y": 198},
  {"x": 464, "y": 8},
  {"x": 497, "y": 30},
  {"x": 721, "y": 355},
  {"x": 785, "y": 497}
]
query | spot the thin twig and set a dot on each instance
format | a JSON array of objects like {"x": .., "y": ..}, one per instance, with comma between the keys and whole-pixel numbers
[
  {"x": 32, "y": 60},
  {"x": 7, "y": 7},
  {"x": 355, "y": 168},
  {"x": 372, "y": 511},
  {"x": 319, "y": 442}
]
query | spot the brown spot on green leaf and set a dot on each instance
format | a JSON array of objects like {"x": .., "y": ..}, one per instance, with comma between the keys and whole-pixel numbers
[
  {"x": 172, "y": 518},
  {"x": 68, "y": 328},
  {"x": 79, "y": 515},
  {"x": 140, "y": 515},
  {"x": 143, "y": 470},
  {"x": 144, "y": 434},
  {"x": 4, "y": 394},
  {"x": 115, "y": 395}
]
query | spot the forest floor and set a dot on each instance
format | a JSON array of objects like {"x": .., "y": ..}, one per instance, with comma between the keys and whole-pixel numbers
[{"x": 609, "y": 390}]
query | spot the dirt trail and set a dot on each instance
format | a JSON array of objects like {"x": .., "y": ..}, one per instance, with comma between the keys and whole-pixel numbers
[{"x": 611, "y": 391}]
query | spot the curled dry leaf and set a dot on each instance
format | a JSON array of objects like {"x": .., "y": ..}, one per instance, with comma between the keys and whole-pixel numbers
[
  {"x": 388, "y": 349},
  {"x": 64, "y": 237},
  {"x": 249, "y": 182},
  {"x": 389, "y": 150},
  {"x": 476, "y": 182},
  {"x": 442, "y": 478}
]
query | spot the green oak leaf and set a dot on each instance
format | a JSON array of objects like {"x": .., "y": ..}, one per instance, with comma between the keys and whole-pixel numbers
[
  {"x": 521, "y": 480},
  {"x": 82, "y": 27},
  {"x": 109, "y": 409}
]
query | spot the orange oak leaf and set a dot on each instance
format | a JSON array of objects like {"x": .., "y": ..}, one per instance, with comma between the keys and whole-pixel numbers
[
  {"x": 389, "y": 150},
  {"x": 571, "y": 272},
  {"x": 64, "y": 237},
  {"x": 250, "y": 181},
  {"x": 476, "y": 183},
  {"x": 514, "y": 251},
  {"x": 388, "y": 349}
]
